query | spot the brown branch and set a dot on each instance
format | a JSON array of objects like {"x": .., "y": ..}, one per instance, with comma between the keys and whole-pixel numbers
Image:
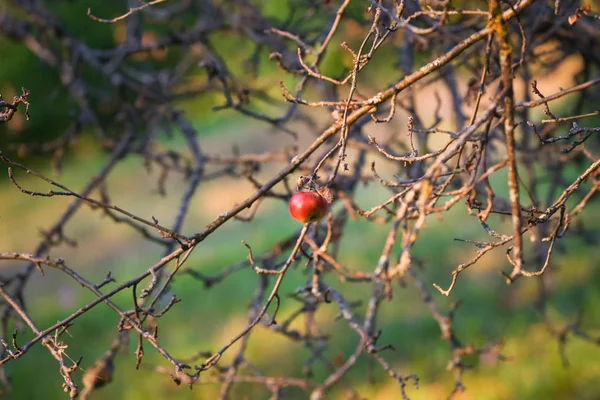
[{"x": 132, "y": 10}]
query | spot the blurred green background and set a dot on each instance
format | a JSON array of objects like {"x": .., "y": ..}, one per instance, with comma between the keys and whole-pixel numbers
[{"x": 207, "y": 318}]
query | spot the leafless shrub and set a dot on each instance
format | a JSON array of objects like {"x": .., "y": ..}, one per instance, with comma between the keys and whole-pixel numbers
[{"x": 491, "y": 128}]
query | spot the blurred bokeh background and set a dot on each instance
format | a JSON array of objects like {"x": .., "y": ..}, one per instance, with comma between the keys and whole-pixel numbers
[{"x": 490, "y": 311}]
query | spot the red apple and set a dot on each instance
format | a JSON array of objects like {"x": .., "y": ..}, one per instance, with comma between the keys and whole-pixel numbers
[{"x": 307, "y": 206}]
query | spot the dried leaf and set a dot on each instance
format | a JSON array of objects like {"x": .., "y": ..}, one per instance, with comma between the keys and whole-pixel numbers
[{"x": 326, "y": 193}]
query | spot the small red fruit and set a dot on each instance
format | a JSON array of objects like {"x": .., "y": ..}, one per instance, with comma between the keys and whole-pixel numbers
[{"x": 307, "y": 206}]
